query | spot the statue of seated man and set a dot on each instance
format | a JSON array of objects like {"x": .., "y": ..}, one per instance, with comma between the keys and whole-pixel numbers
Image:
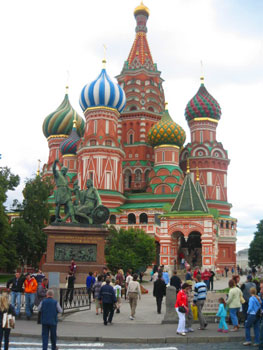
[{"x": 87, "y": 200}]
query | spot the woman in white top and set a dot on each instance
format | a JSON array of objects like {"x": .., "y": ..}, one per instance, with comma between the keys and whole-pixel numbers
[{"x": 133, "y": 292}]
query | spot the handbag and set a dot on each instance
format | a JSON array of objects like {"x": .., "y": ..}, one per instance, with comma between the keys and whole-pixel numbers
[
  {"x": 182, "y": 309},
  {"x": 8, "y": 321}
]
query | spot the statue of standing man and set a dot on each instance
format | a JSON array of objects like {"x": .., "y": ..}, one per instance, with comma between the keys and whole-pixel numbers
[{"x": 63, "y": 194}]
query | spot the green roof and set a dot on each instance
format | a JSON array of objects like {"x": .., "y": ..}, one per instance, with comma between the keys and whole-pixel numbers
[
  {"x": 168, "y": 167},
  {"x": 201, "y": 194},
  {"x": 144, "y": 195},
  {"x": 148, "y": 205},
  {"x": 188, "y": 199},
  {"x": 195, "y": 213}
]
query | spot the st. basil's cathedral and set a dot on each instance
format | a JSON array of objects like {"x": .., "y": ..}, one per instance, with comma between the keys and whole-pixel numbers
[{"x": 134, "y": 152}]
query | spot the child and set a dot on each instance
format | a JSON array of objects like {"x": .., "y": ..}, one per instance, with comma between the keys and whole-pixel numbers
[
  {"x": 222, "y": 327},
  {"x": 117, "y": 289}
]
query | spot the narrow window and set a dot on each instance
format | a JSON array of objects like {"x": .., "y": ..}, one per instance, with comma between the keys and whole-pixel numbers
[
  {"x": 95, "y": 126},
  {"x": 209, "y": 178},
  {"x": 201, "y": 136},
  {"x": 131, "y": 139},
  {"x": 108, "y": 180},
  {"x": 107, "y": 127},
  {"x": 217, "y": 193}
]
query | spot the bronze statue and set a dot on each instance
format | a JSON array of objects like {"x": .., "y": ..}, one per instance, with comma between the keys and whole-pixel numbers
[
  {"x": 89, "y": 208},
  {"x": 63, "y": 194}
]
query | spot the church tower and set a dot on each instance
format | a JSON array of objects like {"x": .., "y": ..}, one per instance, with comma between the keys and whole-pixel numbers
[
  {"x": 205, "y": 153},
  {"x": 142, "y": 84},
  {"x": 100, "y": 153}
]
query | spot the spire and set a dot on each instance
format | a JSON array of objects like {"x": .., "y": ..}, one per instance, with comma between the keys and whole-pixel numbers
[
  {"x": 202, "y": 77},
  {"x": 104, "y": 61},
  {"x": 38, "y": 167},
  {"x": 140, "y": 54},
  {"x": 188, "y": 198}
]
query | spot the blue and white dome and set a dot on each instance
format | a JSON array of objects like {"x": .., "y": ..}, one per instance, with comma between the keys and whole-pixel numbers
[{"x": 102, "y": 92}]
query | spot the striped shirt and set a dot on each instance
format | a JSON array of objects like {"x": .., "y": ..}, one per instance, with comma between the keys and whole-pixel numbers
[{"x": 200, "y": 291}]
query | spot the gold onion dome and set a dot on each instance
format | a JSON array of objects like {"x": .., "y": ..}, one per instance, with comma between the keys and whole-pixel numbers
[
  {"x": 141, "y": 9},
  {"x": 166, "y": 132}
]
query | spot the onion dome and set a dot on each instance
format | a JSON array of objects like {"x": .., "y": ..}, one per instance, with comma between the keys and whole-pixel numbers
[
  {"x": 202, "y": 105},
  {"x": 166, "y": 132},
  {"x": 69, "y": 146},
  {"x": 60, "y": 122},
  {"x": 102, "y": 92},
  {"x": 142, "y": 9}
]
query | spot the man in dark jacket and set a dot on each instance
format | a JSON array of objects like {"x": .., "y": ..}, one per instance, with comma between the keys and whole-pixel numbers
[
  {"x": 159, "y": 291},
  {"x": 16, "y": 290},
  {"x": 108, "y": 297},
  {"x": 176, "y": 282},
  {"x": 245, "y": 288},
  {"x": 49, "y": 318}
]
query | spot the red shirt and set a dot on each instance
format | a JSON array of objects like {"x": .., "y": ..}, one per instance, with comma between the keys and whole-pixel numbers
[
  {"x": 181, "y": 299},
  {"x": 206, "y": 275}
]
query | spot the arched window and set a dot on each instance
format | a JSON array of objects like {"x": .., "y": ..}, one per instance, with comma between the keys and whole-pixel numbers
[
  {"x": 151, "y": 109},
  {"x": 93, "y": 142},
  {"x": 227, "y": 224},
  {"x": 222, "y": 224},
  {"x": 143, "y": 218},
  {"x": 131, "y": 139},
  {"x": 113, "y": 219},
  {"x": 127, "y": 178},
  {"x": 146, "y": 175},
  {"x": 138, "y": 175},
  {"x": 232, "y": 225},
  {"x": 133, "y": 108},
  {"x": 131, "y": 219}
]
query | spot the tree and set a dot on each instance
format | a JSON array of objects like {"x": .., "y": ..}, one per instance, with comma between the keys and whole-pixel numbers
[
  {"x": 34, "y": 215},
  {"x": 8, "y": 257},
  {"x": 129, "y": 249},
  {"x": 255, "y": 252}
]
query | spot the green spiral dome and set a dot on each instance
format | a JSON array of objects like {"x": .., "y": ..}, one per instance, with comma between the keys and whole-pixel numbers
[
  {"x": 60, "y": 122},
  {"x": 166, "y": 132}
]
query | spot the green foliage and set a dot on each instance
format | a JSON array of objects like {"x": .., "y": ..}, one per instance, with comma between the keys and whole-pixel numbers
[
  {"x": 255, "y": 252},
  {"x": 34, "y": 215},
  {"x": 8, "y": 257},
  {"x": 129, "y": 249}
]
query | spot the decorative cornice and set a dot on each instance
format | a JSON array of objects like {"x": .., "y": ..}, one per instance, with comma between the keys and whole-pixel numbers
[
  {"x": 57, "y": 137},
  {"x": 162, "y": 146},
  {"x": 101, "y": 107},
  {"x": 203, "y": 120}
]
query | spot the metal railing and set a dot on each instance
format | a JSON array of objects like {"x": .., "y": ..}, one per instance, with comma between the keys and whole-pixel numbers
[{"x": 77, "y": 298}]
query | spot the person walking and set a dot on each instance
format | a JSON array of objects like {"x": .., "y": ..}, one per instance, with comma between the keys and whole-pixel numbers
[
  {"x": 5, "y": 310},
  {"x": 90, "y": 281},
  {"x": 165, "y": 277},
  {"x": 41, "y": 295},
  {"x": 30, "y": 285},
  {"x": 70, "y": 287},
  {"x": 188, "y": 275},
  {"x": 127, "y": 281},
  {"x": 133, "y": 292},
  {"x": 200, "y": 293},
  {"x": 108, "y": 298},
  {"x": 253, "y": 317},
  {"x": 117, "y": 290},
  {"x": 96, "y": 288},
  {"x": 246, "y": 294},
  {"x": 222, "y": 327},
  {"x": 159, "y": 291},
  {"x": 49, "y": 309},
  {"x": 260, "y": 347},
  {"x": 175, "y": 281},
  {"x": 211, "y": 280},
  {"x": 189, "y": 318},
  {"x": 181, "y": 307},
  {"x": 16, "y": 290},
  {"x": 234, "y": 303}
]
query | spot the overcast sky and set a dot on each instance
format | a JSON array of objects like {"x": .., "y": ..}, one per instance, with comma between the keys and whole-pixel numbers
[{"x": 42, "y": 40}]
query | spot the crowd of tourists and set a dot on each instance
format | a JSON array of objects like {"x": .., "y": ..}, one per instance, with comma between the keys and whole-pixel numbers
[{"x": 243, "y": 302}]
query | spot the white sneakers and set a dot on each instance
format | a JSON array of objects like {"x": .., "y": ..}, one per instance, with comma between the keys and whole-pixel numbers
[{"x": 131, "y": 318}]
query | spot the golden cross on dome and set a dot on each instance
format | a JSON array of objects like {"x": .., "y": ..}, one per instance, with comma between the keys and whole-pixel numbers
[
  {"x": 104, "y": 59},
  {"x": 202, "y": 78},
  {"x": 38, "y": 168}
]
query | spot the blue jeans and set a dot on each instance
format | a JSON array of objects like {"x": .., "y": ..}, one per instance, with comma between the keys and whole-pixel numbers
[
  {"x": 16, "y": 301},
  {"x": 222, "y": 323},
  {"x": 261, "y": 335},
  {"x": 207, "y": 284},
  {"x": 53, "y": 336},
  {"x": 252, "y": 320},
  {"x": 30, "y": 299},
  {"x": 233, "y": 314}
]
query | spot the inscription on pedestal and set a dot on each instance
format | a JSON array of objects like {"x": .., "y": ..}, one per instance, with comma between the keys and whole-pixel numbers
[{"x": 78, "y": 252}]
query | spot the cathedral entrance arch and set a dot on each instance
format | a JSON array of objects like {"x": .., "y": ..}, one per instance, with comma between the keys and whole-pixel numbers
[{"x": 188, "y": 249}]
